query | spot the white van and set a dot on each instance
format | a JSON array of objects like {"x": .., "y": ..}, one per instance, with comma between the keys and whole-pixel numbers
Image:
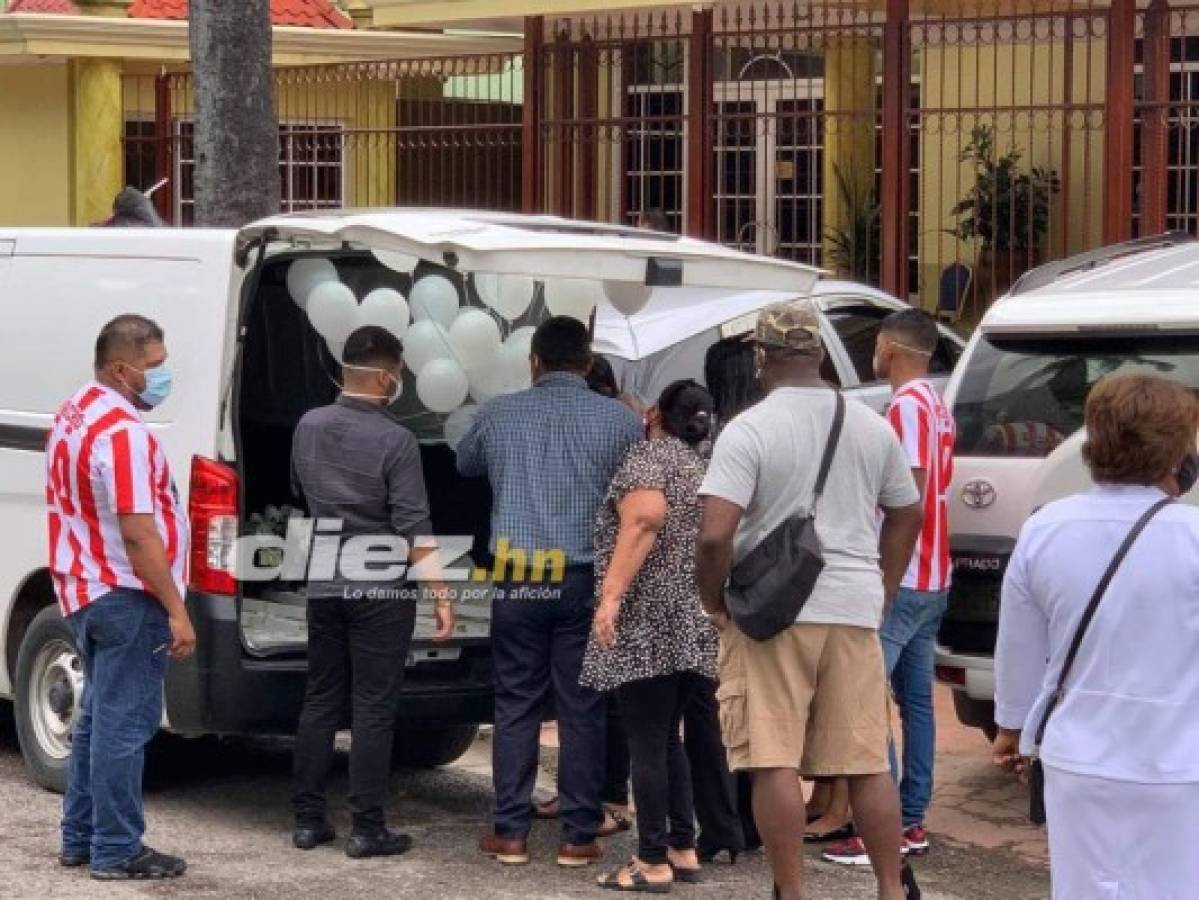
[
  {"x": 247, "y": 365},
  {"x": 1018, "y": 396}
]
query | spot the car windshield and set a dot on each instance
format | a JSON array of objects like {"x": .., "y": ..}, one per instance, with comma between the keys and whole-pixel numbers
[{"x": 1024, "y": 397}]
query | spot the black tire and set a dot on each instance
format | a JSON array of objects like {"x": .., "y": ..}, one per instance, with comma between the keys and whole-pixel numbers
[
  {"x": 44, "y": 647},
  {"x": 428, "y": 748}
]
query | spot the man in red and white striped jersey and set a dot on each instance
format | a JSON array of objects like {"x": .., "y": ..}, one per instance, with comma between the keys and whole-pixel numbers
[
  {"x": 906, "y": 344},
  {"x": 118, "y": 552}
]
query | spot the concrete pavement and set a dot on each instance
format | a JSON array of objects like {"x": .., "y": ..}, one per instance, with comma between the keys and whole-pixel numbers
[{"x": 225, "y": 806}]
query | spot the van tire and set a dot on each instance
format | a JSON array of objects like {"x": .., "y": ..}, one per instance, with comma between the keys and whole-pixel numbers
[
  {"x": 49, "y": 674},
  {"x": 428, "y": 748}
]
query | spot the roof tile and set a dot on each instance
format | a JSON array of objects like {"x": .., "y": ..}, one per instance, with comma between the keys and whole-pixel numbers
[
  {"x": 303, "y": 13},
  {"x": 57, "y": 7}
]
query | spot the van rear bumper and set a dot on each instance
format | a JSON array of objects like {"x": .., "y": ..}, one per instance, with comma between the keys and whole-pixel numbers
[{"x": 223, "y": 690}]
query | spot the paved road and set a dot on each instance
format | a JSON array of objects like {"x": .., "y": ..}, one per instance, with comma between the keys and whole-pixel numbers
[{"x": 225, "y": 806}]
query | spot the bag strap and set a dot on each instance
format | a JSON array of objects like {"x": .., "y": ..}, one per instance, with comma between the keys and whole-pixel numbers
[
  {"x": 1088, "y": 614},
  {"x": 830, "y": 449}
]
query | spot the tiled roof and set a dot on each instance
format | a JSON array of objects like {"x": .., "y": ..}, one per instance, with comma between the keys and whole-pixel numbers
[
  {"x": 60, "y": 7},
  {"x": 304, "y": 13}
]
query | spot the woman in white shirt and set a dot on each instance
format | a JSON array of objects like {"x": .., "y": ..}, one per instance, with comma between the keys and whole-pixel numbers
[{"x": 1121, "y": 751}]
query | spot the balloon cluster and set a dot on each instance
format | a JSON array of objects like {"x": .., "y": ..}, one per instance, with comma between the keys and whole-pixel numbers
[{"x": 457, "y": 352}]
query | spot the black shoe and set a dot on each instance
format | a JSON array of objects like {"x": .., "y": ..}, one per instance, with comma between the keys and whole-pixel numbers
[
  {"x": 388, "y": 842},
  {"x": 74, "y": 860},
  {"x": 911, "y": 890},
  {"x": 309, "y": 838},
  {"x": 708, "y": 854},
  {"x": 147, "y": 865}
]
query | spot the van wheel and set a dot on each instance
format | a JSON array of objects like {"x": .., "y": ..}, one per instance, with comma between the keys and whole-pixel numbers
[
  {"x": 49, "y": 689},
  {"x": 428, "y": 748}
]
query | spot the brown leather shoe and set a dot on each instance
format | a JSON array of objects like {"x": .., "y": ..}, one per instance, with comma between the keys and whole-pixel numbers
[
  {"x": 577, "y": 855},
  {"x": 508, "y": 851}
]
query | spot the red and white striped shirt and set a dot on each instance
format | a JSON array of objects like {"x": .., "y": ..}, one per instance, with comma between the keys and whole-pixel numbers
[
  {"x": 102, "y": 462},
  {"x": 926, "y": 430}
]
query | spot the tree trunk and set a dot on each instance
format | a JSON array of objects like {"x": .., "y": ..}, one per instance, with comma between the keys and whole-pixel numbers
[{"x": 236, "y": 135}]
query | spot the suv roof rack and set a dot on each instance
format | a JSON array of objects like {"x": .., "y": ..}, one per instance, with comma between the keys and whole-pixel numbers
[{"x": 1045, "y": 275}]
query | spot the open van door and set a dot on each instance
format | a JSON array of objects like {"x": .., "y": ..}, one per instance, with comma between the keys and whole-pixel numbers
[{"x": 540, "y": 247}]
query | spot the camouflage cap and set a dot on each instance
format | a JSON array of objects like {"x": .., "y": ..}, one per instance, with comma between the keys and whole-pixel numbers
[{"x": 793, "y": 325}]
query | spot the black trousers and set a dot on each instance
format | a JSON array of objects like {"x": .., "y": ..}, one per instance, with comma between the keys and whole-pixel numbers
[
  {"x": 653, "y": 713},
  {"x": 714, "y": 787},
  {"x": 616, "y": 756},
  {"x": 356, "y": 655},
  {"x": 538, "y": 645}
]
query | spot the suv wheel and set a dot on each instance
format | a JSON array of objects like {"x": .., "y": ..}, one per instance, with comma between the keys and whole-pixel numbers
[
  {"x": 428, "y": 748},
  {"x": 49, "y": 688}
]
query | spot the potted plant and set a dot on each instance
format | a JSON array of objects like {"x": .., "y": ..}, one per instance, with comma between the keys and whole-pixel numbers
[
  {"x": 1007, "y": 210},
  {"x": 852, "y": 248}
]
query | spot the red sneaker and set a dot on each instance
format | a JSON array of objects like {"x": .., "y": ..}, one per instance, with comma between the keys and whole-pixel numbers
[
  {"x": 915, "y": 841},
  {"x": 851, "y": 852}
]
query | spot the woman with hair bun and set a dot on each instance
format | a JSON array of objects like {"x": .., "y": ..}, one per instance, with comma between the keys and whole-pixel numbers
[{"x": 651, "y": 641}]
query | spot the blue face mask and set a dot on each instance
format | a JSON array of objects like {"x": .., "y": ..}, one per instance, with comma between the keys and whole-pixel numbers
[{"x": 158, "y": 385}]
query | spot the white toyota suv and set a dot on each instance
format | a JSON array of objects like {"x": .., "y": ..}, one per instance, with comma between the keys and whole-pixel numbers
[{"x": 1018, "y": 396}]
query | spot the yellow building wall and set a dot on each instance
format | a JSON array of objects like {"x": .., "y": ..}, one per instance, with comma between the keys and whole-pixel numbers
[
  {"x": 366, "y": 110},
  {"x": 97, "y": 156},
  {"x": 962, "y": 87},
  {"x": 35, "y": 171}
]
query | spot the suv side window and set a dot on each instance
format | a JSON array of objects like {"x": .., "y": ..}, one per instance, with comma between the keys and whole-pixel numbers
[{"x": 858, "y": 328}]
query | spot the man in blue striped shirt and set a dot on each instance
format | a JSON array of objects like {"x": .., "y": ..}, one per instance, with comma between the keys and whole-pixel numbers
[{"x": 549, "y": 453}]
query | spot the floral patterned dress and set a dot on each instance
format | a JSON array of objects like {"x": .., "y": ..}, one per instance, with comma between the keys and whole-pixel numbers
[{"x": 661, "y": 628}]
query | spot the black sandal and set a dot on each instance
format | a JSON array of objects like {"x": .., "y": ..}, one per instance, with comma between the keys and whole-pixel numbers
[
  {"x": 687, "y": 874},
  {"x": 639, "y": 883}
]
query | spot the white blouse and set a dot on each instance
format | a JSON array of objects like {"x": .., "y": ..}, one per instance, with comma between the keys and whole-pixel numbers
[{"x": 1131, "y": 706}]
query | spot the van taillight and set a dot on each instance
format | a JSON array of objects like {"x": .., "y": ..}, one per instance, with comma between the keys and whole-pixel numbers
[{"x": 213, "y": 510}]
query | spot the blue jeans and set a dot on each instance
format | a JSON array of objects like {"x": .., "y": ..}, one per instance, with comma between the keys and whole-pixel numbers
[
  {"x": 537, "y": 651},
  {"x": 909, "y": 637},
  {"x": 122, "y": 639}
]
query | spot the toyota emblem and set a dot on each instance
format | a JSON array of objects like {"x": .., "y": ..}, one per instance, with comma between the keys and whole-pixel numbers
[{"x": 978, "y": 494}]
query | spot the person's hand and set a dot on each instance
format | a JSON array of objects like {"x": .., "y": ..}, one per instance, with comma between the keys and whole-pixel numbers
[
  {"x": 183, "y": 636},
  {"x": 443, "y": 609},
  {"x": 1005, "y": 753},
  {"x": 604, "y": 624}
]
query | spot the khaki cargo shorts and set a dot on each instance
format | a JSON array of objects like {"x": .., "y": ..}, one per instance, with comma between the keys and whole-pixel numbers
[{"x": 812, "y": 698}]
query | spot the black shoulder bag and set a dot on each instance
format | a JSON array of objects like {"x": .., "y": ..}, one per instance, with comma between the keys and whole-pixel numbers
[
  {"x": 1036, "y": 772},
  {"x": 768, "y": 588}
]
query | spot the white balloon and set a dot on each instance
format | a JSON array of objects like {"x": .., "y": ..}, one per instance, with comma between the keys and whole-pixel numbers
[
  {"x": 628, "y": 297},
  {"x": 394, "y": 260},
  {"x": 387, "y": 309},
  {"x": 441, "y": 385},
  {"x": 513, "y": 365},
  {"x": 434, "y": 297},
  {"x": 458, "y": 424},
  {"x": 475, "y": 337},
  {"x": 509, "y": 295},
  {"x": 305, "y": 274},
  {"x": 574, "y": 297},
  {"x": 486, "y": 379},
  {"x": 425, "y": 342},
  {"x": 333, "y": 311}
]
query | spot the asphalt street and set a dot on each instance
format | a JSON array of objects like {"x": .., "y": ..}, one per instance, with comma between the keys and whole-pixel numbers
[{"x": 224, "y": 805}]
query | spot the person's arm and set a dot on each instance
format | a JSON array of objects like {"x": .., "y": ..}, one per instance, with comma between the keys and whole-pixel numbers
[
  {"x": 124, "y": 460},
  {"x": 1021, "y": 659},
  {"x": 897, "y": 541},
  {"x": 471, "y": 454},
  {"x": 715, "y": 553},
  {"x": 728, "y": 488},
  {"x": 903, "y": 517},
  {"x": 408, "y": 508},
  {"x": 642, "y": 515},
  {"x": 148, "y": 557}
]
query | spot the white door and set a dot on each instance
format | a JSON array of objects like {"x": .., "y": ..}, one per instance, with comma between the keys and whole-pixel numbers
[{"x": 769, "y": 147}]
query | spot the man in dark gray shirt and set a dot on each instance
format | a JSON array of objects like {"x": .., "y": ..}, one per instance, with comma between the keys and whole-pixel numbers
[{"x": 353, "y": 461}]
